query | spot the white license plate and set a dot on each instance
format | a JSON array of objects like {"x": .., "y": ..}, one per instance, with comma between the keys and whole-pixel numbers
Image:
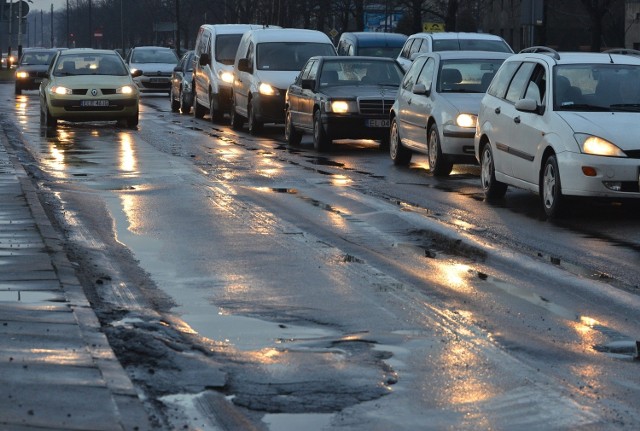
[
  {"x": 159, "y": 80},
  {"x": 377, "y": 123},
  {"x": 94, "y": 103}
]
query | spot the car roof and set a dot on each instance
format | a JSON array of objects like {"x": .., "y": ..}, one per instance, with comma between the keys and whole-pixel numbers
[
  {"x": 456, "y": 35},
  {"x": 234, "y": 28},
  {"x": 288, "y": 35},
  {"x": 355, "y": 58},
  {"x": 580, "y": 57},
  {"x": 461, "y": 55},
  {"x": 87, "y": 51},
  {"x": 365, "y": 36},
  {"x": 151, "y": 47}
]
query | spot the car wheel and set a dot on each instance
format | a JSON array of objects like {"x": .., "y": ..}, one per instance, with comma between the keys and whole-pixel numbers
[
  {"x": 400, "y": 155},
  {"x": 492, "y": 188},
  {"x": 185, "y": 108},
  {"x": 49, "y": 121},
  {"x": 175, "y": 104},
  {"x": 236, "y": 119},
  {"x": 18, "y": 90},
  {"x": 291, "y": 135},
  {"x": 321, "y": 141},
  {"x": 551, "y": 189},
  {"x": 255, "y": 126},
  {"x": 132, "y": 122},
  {"x": 198, "y": 109},
  {"x": 215, "y": 114},
  {"x": 438, "y": 164}
]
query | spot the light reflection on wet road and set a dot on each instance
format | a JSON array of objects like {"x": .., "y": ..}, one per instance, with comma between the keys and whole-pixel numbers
[{"x": 284, "y": 255}]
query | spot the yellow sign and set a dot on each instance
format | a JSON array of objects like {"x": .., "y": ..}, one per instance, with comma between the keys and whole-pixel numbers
[{"x": 433, "y": 27}]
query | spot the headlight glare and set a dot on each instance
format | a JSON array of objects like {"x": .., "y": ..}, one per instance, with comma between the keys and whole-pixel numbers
[
  {"x": 22, "y": 75},
  {"x": 340, "y": 106},
  {"x": 598, "y": 147},
  {"x": 127, "y": 89},
  {"x": 466, "y": 120},
  {"x": 61, "y": 91},
  {"x": 267, "y": 89},
  {"x": 226, "y": 76}
]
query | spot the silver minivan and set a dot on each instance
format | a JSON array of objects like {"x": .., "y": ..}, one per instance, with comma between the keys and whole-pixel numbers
[
  {"x": 267, "y": 62},
  {"x": 215, "y": 51}
]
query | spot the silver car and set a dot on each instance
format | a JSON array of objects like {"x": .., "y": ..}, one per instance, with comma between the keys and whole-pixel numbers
[
  {"x": 156, "y": 64},
  {"x": 436, "y": 108}
]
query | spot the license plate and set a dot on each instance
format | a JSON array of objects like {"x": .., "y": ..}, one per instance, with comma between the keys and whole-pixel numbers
[
  {"x": 94, "y": 103},
  {"x": 37, "y": 80},
  {"x": 158, "y": 80},
  {"x": 377, "y": 123}
]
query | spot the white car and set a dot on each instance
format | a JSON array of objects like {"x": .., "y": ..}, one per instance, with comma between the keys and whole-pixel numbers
[
  {"x": 156, "y": 64},
  {"x": 436, "y": 107},
  {"x": 561, "y": 125}
]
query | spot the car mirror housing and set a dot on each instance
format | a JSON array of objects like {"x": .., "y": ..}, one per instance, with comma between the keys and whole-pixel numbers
[
  {"x": 204, "y": 59},
  {"x": 421, "y": 89},
  {"x": 244, "y": 66},
  {"x": 136, "y": 73},
  {"x": 308, "y": 84},
  {"x": 527, "y": 105}
]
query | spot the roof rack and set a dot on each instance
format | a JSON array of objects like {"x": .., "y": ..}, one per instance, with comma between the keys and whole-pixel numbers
[
  {"x": 543, "y": 50},
  {"x": 623, "y": 51}
]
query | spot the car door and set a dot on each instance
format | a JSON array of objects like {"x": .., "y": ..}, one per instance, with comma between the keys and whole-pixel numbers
[
  {"x": 408, "y": 118},
  {"x": 294, "y": 94},
  {"x": 243, "y": 81},
  {"x": 308, "y": 96}
]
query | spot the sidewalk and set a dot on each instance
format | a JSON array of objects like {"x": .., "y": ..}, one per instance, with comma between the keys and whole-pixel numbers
[{"x": 57, "y": 370}]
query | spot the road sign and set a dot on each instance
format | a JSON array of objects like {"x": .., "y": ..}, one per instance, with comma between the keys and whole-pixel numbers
[{"x": 433, "y": 27}]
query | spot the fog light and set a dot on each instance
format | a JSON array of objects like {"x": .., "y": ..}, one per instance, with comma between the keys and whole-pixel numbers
[
  {"x": 589, "y": 171},
  {"x": 616, "y": 186}
]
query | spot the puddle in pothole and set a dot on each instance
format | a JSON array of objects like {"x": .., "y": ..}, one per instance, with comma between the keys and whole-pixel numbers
[{"x": 30, "y": 296}]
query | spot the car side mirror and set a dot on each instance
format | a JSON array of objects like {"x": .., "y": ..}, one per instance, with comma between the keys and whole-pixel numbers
[
  {"x": 136, "y": 73},
  {"x": 527, "y": 105},
  {"x": 421, "y": 89},
  {"x": 177, "y": 69},
  {"x": 204, "y": 59},
  {"x": 308, "y": 84},
  {"x": 244, "y": 65}
]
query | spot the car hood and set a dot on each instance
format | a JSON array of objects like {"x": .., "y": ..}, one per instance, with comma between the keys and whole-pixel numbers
[
  {"x": 277, "y": 78},
  {"x": 464, "y": 102},
  {"x": 620, "y": 128},
  {"x": 153, "y": 67},
  {"x": 89, "y": 81},
  {"x": 33, "y": 68},
  {"x": 353, "y": 91}
]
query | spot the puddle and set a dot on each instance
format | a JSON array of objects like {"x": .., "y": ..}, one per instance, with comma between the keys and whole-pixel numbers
[
  {"x": 30, "y": 297},
  {"x": 296, "y": 422}
]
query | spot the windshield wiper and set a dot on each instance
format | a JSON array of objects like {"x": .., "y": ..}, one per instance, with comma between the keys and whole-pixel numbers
[
  {"x": 632, "y": 107},
  {"x": 583, "y": 107}
]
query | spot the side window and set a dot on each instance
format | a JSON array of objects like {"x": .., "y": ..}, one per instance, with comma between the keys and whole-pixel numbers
[
  {"x": 313, "y": 70},
  {"x": 537, "y": 85},
  {"x": 341, "y": 47},
  {"x": 351, "y": 50},
  {"x": 406, "y": 49},
  {"x": 250, "y": 53},
  {"x": 412, "y": 74},
  {"x": 426, "y": 76},
  {"x": 305, "y": 71},
  {"x": 502, "y": 79},
  {"x": 416, "y": 46},
  {"x": 520, "y": 82}
]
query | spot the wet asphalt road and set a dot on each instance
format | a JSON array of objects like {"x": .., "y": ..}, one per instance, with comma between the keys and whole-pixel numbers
[{"x": 344, "y": 291}]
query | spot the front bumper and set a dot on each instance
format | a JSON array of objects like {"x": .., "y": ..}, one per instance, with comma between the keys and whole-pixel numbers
[
  {"x": 71, "y": 109},
  {"x": 153, "y": 83},
  {"x": 269, "y": 109},
  {"x": 355, "y": 126}
]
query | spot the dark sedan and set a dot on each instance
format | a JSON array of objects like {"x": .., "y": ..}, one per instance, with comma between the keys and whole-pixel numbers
[
  {"x": 342, "y": 98},
  {"x": 32, "y": 68},
  {"x": 181, "y": 95}
]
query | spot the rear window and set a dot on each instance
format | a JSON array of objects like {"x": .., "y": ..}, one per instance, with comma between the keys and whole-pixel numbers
[
  {"x": 289, "y": 56},
  {"x": 380, "y": 51},
  {"x": 471, "y": 45}
]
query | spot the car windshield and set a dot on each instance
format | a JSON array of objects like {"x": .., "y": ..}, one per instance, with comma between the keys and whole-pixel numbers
[
  {"x": 357, "y": 72},
  {"x": 90, "y": 64},
  {"x": 154, "y": 56},
  {"x": 470, "y": 45},
  {"x": 289, "y": 56},
  {"x": 467, "y": 76},
  {"x": 226, "y": 47},
  {"x": 596, "y": 87},
  {"x": 38, "y": 58}
]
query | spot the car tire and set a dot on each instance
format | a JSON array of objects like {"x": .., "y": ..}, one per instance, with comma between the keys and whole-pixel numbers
[
  {"x": 255, "y": 126},
  {"x": 185, "y": 108},
  {"x": 198, "y": 109},
  {"x": 175, "y": 104},
  {"x": 321, "y": 141},
  {"x": 236, "y": 119},
  {"x": 492, "y": 188},
  {"x": 551, "y": 189},
  {"x": 49, "y": 121},
  {"x": 400, "y": 155},
  {"x": 18, "y": 90},
  {"x": 291, "y": 135},
  {"x": 215, "y": 114},
  {"x": 438, "y": 164},
  {"x": 132, "y": 122}
]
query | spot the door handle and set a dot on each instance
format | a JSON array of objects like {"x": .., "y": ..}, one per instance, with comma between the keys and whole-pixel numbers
[
  {"x": 516, "y": 120},
  {"x": 409, "y": 102},
  {"x": 497, "y": 111}
]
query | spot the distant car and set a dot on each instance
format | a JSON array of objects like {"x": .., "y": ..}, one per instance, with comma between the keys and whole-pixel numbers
[
  {"x": 181, "y": 95},
  {"x": 86, "y": 84},
  {"x": 561, "y": 125},
  {"x": 9, "y": 60},
  {"x": 420, "y": 43},
  {"x": 32, "y": 67},
  {"x": 370, "y": 43},
  {"x": 343, "y": 97},
  {"x": 156, "y": 64},
  {"x": 437, "y": 106}
]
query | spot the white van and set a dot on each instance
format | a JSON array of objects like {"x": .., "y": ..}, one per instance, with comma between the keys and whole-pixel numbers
[
  {"x": 267, "y": 62},
  {"x": 215, "y": 51}
]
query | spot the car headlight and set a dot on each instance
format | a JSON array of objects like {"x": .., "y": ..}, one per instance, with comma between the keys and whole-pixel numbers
[
  {"x": 466, "y": 120},
  {"x": 60, "y": 90},
  {"x": 268, "y": 90},
  {"x": 226, "y": 76},
  {"x": 127, "y": 89},
  {"x": 341, "y": 106},
  {"x": 22, "y": 75},
  {"x": 596, "y": 146}
]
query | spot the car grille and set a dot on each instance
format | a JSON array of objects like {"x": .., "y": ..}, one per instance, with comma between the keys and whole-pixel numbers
[
  {"x": 147, "y": 73},
  {"x": 375, "y": 106},
  {"x": 84, "y": 91}
]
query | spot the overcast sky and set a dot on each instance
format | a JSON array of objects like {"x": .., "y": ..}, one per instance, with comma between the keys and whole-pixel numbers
[{"x": 46, "y": 4}]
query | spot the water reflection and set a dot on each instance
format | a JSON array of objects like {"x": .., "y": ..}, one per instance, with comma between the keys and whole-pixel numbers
[{"x": 128, "y": 161}]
